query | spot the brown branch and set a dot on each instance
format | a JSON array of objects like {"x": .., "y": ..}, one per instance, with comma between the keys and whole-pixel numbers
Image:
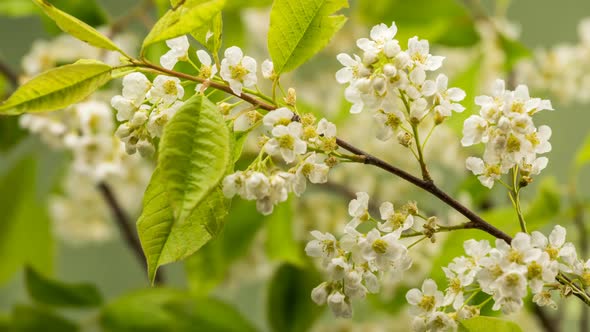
[
  {"x": 10, "y": 74},
  {"x": 124, "y": 224},
  {"x": 548, "y": 323}
]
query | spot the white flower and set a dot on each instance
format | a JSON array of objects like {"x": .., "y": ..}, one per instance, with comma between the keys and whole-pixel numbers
[
  {"x": 316, "y": 172},
  {"x": 554, "y": 245},
  {"x": 208, "y": 69},
  {"x": 445, "y": 100},
  {"x": 319, "y": 294},
  {"x": 267, "y": 69},
  {"x": 418, "y": 50},
  {"x": 165, "y": 90},
  {"x": 326, "y": 128},
  {"x": 426, "y": 300},
  {"x": 540, "y": 272},
  {"x": 257, "y": 186},
  {"x": 381, "y": 251},
  {"x": 474, "y": 129},
  {"x": 324, "y": 245},
  {"x": 393, "y": 221},
  {"x": 281, "y": 116},
  {"x": 286, "y": 142},
  {"x": 238, "y": 70},
  {"x": 353, "y": 68},
  {"x": 340, "y": 305},
  {"x": 178, "y": 52},
  {"x": 440, "y": 321},
  {"x": 135, "y": 88},
  {"x": 234, "y": 184},
  {"x": 388, "y": 122},
  {"x": 487, "y": 174},
  {"x": 160, "y": 116}
]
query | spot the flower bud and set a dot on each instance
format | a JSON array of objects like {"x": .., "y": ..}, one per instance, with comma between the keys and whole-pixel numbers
[
  {"x": 291, "y": 98},
  {"x": 404, "y": 139}
]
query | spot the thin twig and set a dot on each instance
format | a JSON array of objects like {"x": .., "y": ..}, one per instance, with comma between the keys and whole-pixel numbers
[{"x": 124, "y": 224}]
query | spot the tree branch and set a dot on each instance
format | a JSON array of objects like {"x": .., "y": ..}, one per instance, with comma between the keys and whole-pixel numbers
[
  {"x": 124, "y": 224},
  {"x": 10, "y": 75}
]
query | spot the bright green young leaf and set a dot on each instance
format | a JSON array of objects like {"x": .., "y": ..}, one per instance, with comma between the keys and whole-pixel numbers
[
  {"x": 163, "y": 310},
  {"x": 301, "y": 28},
  {"x": 25, "y": 318},
  {"x": 55, "y": 293},
  {"x": 165, "y": 240},
  {"x": 17, "y": 8},
  {"x": 77, "y": 28},
  {"x": 488, "y": 324},
  {"x": 290, "y": 308},
  {"x": 58, "y": 88},
  {"x": 280, "y": 243},
  {"x": 186, "y": 17},
  {"x": 194, "y": 154},
  {"x": 213, "y": 43},
  {"x": 183, "y": 204},
  {"x": 209, "y": 266},
  {"x": 22, "y": 211}
]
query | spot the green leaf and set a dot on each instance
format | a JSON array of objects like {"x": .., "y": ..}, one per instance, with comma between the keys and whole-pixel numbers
[
  {"x": 444, "y": 22},
  {"x": 514, "y": 51},
  {"x": 55, "y": 293},
  {"x": 17, "y": 8},
  {"x": 208, "y": 266},
  {"x": 290, "y": 308},
  {"x": 77, "y": 28},
  {"x": 162, "y": 309},
  {"x": 301, "y": 28},
  {"x": 281, "y": 244},
  {"x": 213, "y": 43},
  {"x": 183, "y": 204},
  {"x": 183, "y": 19},
  {"x": 58, "y": 88},
  {"x": 18, "y": 244},
  {"x": 194, "y": 154},
  {"x": 25, "y": 318},
  {"x": 488, "y": 324}
]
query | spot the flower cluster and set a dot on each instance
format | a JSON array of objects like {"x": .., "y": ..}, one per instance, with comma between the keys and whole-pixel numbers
[
  {"x": 512, "y": 142},
  {"x": 391, "y": 83},
  {"x": 356, "y": 261},
  {"x": 503, "y": 272},
  {"x": 288, "y": 140},
  {"x": 561, "y": 70},
  {"x": 144, "y": 108}
]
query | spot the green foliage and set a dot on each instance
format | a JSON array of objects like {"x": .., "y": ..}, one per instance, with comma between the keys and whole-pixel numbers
[
  {"x": 162, "y": 309},
  {"x": 183, "y": 206},
  {"x": 183, "y": 19},
  {"x": 32, "y": 319},
  {"x": 55, "y": 293},
  {"x": 77, "y": 28},
  {"x": 545, "y": 206},
  {"x": 299, "y": 29},
  {"x": 290, "y": 308},
  {"x": 58, "y": 88},
  {"x": 443, "y": 22},
  {"x": 213, "y": 44},
  {"x": 17, "y": 8},
  {"x": 22, "y": 211},
  {"x": 488, "y": 324},
  {"x": 281, "y": 244},
  {"x": 208, "y": 266},
  {"x": 468, "y": 80}
]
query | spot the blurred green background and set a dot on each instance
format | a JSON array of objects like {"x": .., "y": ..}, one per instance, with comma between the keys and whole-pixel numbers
[{"x": 113, "y": 268}]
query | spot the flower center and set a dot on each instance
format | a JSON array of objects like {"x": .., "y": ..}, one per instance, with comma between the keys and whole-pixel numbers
[
  {"x": 238, "y": 72},
  {"x": 286, "y": 142},
  {"x": 380, "y": 246},
  {"x": 427, "y": 303},
  {"x": 170, "y": 88}
]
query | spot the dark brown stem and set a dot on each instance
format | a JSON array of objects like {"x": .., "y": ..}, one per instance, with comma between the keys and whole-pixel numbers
[
  {"x": 10, "y": 75},
  {"x": 549, "y": 324},
  {"x": 124, "y": 224}
]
